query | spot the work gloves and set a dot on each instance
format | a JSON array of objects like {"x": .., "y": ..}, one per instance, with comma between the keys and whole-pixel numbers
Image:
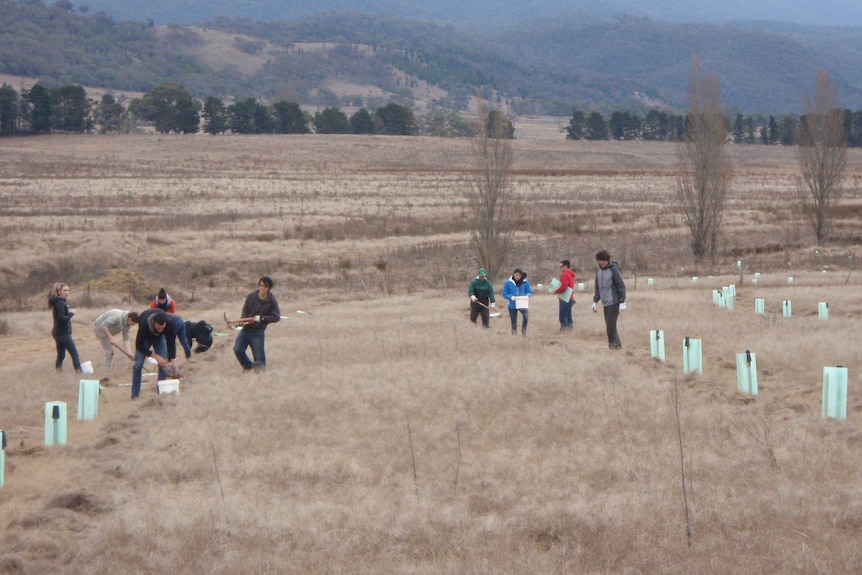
[
  {"x": 595, "y": 307},
  {"x": 474, "y": 298},
  {"x": 623, "y": 306}
]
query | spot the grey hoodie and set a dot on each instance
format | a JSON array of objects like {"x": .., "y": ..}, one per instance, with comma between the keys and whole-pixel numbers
[{"x": 610, "y": 287}]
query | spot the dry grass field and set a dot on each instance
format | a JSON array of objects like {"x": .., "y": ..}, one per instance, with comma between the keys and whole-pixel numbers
[{"x": 389, "y": 434}]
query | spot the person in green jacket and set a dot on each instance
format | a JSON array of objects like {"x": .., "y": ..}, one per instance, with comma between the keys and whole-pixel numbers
[{"x": 481, "y": 294}]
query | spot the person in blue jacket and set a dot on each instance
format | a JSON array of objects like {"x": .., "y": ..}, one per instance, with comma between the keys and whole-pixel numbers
[{"x": 517, "y": 285}]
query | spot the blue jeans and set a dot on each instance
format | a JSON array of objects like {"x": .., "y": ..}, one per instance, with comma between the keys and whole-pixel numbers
[
  {"x": 566, "y": 321},
  {"x": 64, "y": 342},
  {"x": 160, "y": 347},
  {"x": 255, "y": 339},
  {"x": 513, "y": 316}
]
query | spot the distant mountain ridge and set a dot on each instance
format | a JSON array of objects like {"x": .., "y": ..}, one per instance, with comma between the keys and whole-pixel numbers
[
  {"x": 483, "y": 14},
  {"x": 541, "y": 66}
]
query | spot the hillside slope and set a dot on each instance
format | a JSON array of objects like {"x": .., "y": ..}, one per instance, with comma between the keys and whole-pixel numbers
[{"x": 350, "y": 59}]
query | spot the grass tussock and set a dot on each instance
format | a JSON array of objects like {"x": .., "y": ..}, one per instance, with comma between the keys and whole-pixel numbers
[{"x": 389, "y": 434}]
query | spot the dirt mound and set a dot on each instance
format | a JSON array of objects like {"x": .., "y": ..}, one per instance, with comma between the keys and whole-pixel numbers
[{"x": 120, "y": 281}]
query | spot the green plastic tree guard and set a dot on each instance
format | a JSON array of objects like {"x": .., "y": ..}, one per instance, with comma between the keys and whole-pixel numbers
[
  {"x": 835, "y": 392},
  {"x": 746, "y": 372},
  {"x": 656, "y": 345},
  {"x": 727, "y": 294},
  {"x": 787, "y": 308},
  {"x": 88, "y": 398},
  {"x": 55, "y": 423},
  {"x": 823, "y": 309},
  {"x": 760, "y": 306},
  {"x": 692, "y": 355}
]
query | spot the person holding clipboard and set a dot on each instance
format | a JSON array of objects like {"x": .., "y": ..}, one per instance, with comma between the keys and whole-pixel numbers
[{"x": 565, "y": 292}]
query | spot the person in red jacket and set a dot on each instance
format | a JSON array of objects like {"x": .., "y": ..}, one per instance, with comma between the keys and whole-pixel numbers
[
  {"x": 164, "y": 302},
  {"x": 567, "y": 282}
]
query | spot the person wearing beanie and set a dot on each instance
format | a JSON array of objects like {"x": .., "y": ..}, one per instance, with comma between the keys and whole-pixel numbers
[
  {"x": 164, "y": 302},
  {"x": 517, "y": 286},
  {"x": 481, "y": 294},
  {"x": 611, "y": 290}
]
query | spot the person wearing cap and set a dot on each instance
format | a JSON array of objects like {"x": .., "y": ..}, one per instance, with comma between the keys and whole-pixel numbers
[
  {"x": 262, "y": 309},
  {"x": 111, "y": 323},
  {"x": 164, "y": 302},
  {"x": 611, "y": 290},
  {"x": 567, "y": 281},
  {"x": 481, "y": 294}
]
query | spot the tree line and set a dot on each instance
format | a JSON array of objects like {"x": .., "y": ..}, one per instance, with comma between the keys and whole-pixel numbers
[
  {"x": 663, "y": 126},
  {"x": 170, "y": 108}
]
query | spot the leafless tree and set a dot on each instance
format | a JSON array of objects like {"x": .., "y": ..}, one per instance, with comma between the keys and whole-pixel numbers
[
  {"x": 822, "y": 155},
  {"x": 705, "y": 170},
  {"x": 490, "y": 195}
]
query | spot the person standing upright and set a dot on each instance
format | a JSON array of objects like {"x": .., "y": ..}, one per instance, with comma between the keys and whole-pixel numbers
[
  {"x": 481, "y": 294},
  {"x": 262, "y": 309},
  {"x": 567, "y": 282},
  {"x": 518, "y": 286},
  {"x": 62, "y": 330},
  {"x": 611, "y": 290}
]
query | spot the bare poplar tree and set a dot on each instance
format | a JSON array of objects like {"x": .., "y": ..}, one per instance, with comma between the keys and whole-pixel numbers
[
  {"x": 489, "y": 192},
  {"x": 705, "y": 171},
  {"x": 822, "y": 155}
]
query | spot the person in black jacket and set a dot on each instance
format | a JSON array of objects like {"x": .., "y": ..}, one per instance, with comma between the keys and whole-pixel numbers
[
  {"x": 150, "y": 342},
  {"x": 262, "y": 309},
  {"x": 62, "y": 331}
]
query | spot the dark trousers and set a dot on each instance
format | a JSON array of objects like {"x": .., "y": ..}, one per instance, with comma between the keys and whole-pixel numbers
[
  {"x": 477, "y": 309},
  {"x": 513, "y": 316},
  {"x": 254, "y": 339},
  {"x": 612, "y": 313},
  {"x": 65, "y": 343},
  {"x": 566, "y": 321}
]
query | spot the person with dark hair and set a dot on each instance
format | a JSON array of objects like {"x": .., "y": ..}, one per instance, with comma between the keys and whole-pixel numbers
[
  {"x": 567, "y": 282},
  {"x": 150, "y": 342},
  {"x": 111, "y": 323},
  {"x": 62, "y": 330},
  {"x": 518, "y": 291},
  {"x": 200, "y": 332},
  {"x": 481, "y": 294},
  {"x": 611, "y": 290},
  {"x": 261, "y": 308},
  {"x": 164, "y": 302}
]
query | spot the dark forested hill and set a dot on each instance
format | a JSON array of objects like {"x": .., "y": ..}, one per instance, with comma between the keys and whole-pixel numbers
[
  {"x": 540, "y": 66},
  {"x": 482, "y": 15}
]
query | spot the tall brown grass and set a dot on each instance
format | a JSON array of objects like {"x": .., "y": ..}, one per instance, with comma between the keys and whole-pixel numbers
[{"x": 390, "y": 435}]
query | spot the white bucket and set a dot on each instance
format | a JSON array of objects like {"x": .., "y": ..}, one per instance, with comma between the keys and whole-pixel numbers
[
  {"x": 522, "y": 302},
  {"x": 87, "y": 367},
  {"x": 169, "y": 386}
]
